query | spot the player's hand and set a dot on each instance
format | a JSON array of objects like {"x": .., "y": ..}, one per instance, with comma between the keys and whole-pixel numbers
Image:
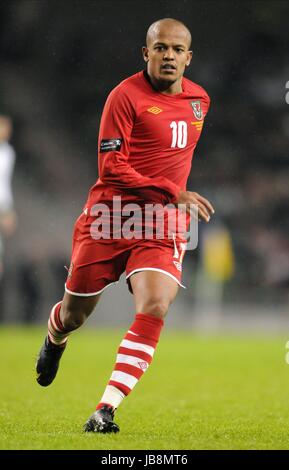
[{"x": 205, "y": 208}]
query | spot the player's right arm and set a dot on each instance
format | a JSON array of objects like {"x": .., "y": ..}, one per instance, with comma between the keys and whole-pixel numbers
[{"x": 114, "y": 169}]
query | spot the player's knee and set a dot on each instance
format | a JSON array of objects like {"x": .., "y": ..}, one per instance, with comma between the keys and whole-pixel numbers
[{"x": 156, "y": 307}]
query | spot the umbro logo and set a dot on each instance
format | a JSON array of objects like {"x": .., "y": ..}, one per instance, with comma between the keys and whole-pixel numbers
[
  {"x": 143, "y": 365},
  {"x": 154, "y": 110}
]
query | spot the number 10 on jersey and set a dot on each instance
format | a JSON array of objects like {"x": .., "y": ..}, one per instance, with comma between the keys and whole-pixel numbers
[{"x": 179, "y": 134}]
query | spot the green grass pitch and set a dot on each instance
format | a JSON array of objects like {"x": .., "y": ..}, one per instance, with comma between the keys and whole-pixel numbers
[{"x": 201, "y": 392}]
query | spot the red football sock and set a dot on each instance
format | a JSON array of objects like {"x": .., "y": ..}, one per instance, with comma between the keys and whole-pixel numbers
[
  {"x": 133, "y": 358},
  {"x": 57, "y": 334}
]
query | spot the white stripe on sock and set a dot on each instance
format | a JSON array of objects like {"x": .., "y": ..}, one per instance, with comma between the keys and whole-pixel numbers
[
  {"x": 113, "y": 396},
  {"x": 52, "y": 325},
  {"x": 126, "y": 379},
  {"x": 137, "y": 346}
]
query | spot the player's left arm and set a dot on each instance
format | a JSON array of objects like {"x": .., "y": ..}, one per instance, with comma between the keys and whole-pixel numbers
[{"x": 191, "y": 198}]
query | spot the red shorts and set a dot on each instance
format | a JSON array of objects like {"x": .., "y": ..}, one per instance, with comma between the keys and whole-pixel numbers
[{"x": 95, "y": 264}]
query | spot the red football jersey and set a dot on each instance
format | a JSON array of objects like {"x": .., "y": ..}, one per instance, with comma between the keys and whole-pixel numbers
[{"x": 146, "y": 141}]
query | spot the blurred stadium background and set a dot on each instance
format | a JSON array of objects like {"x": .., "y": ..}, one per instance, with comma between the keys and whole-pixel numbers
[{"x": 58, "y": 62}]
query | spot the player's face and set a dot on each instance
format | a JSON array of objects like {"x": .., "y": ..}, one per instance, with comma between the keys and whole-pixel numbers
[{"x": 167, "y": 54}]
